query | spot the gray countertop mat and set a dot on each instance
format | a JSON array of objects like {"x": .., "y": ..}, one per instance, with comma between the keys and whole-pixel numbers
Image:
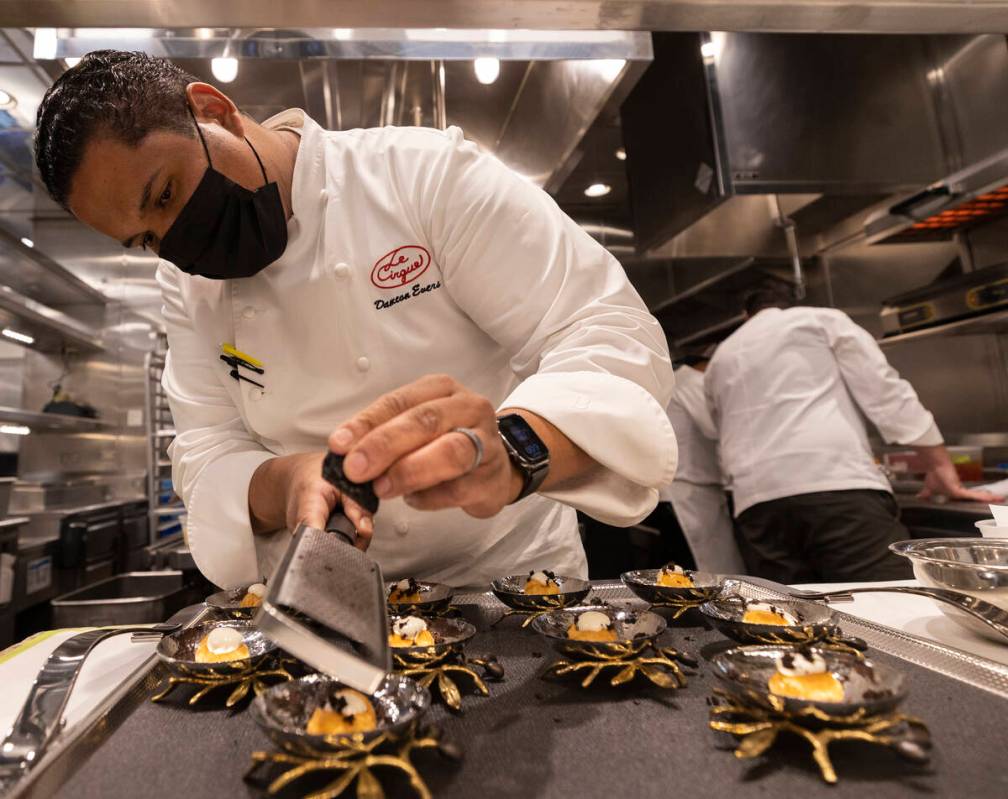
[{"x": 534, "y": 737}]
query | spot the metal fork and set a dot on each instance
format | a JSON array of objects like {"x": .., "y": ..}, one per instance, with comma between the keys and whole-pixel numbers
[{"x": 154, "y": 632}]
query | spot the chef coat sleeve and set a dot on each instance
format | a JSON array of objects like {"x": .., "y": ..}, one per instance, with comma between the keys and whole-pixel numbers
[
  {"x": 213, "y": 455},
  {"x": 888, "y": 400},
  {"x": 592, "y": 360}
]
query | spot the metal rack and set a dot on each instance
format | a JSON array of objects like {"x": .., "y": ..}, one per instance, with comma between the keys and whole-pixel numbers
[{"x": 165, "y": 507}]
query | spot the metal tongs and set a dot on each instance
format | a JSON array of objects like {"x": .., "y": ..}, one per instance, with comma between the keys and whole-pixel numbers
[{"x": 325, "y": 605}]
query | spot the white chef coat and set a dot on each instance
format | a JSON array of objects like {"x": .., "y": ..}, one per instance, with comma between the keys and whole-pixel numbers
[
  {"x": 787, "y": 391},
  {"x": 409, "y": 253},
  {"x": 697, "y": 493}
]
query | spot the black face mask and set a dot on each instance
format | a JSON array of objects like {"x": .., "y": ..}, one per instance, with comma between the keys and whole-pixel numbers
[{"x": 226, "y": 231}]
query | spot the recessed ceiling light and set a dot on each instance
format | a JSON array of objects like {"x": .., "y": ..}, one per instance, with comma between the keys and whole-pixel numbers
[
  {"x": 486, "y": 69},
  {"x": 45, "y": 43},
  {"x": 27, "y": 242},
  {"x": 14, "y": 335},
  {"x": 7, "y": 100},
  {"x": 71, "y": 61},
  {"x": 224, "y": 69},
  {"x": 15, "y": 429},
  {"x": 621, "y": 154},
  {"x": 598, "y": 190}
]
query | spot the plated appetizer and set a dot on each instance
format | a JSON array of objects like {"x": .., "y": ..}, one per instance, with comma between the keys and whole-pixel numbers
[
  {"x": 767, "y": 613},
  {"x": 673, "y": 576},
  {"x": 542, "y": 583},
  {"x": 405, "y": 591},
  {"x": 346, "y": 711},
  {"x": 804, "y": 675},
  {"x": 411, "y": 631},
  {"x": 222, "y": 645},
  {"x": 253, "y": 596},
  {"x": 592, "y": 625}
]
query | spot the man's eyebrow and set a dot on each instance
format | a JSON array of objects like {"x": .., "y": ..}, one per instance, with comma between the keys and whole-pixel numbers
[
  {"x": 145, "y": 197},
  {"x": 144, "y": 200}
]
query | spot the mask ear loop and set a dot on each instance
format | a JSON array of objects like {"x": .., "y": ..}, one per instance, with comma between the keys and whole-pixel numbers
[
  {"x": 199, "y": 133},
  {"x": 259, "y": 160}
]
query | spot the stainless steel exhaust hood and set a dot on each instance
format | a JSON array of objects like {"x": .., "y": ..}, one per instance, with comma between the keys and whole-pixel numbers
[{"x": 836, "y": 123}]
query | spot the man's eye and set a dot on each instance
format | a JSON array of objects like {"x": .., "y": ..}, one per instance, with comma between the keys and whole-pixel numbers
[{"x": 165, "y": 196}]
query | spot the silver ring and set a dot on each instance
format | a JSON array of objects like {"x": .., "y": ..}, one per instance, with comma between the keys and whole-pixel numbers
[{"x": 472, "y": 436}]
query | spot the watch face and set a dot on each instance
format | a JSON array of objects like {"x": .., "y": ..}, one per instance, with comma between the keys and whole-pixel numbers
[{"x": 523, "y": 438}]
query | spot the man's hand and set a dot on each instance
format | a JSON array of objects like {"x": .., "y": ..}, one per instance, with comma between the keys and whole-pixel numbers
[
  {"x": 942, "y": 479},
  {"x": 404, "y": 442},
  {"x": 288, "y": 490}
]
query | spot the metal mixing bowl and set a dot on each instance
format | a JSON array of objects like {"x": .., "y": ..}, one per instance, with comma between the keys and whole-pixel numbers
[{"x": 974, "y": 566}]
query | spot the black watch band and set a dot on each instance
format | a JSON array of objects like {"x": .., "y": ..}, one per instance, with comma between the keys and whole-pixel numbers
[{"x": 526, "y": 450}]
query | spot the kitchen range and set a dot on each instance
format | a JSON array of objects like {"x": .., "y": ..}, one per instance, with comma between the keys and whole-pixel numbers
[{"x": 484, "y": 400}]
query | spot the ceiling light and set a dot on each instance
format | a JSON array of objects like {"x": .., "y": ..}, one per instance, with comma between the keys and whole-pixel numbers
[
  {"x": 27, "y": 242},
  {"x": 71, "y": 61},
  {"x": 45, "y": 43},
  {"x": 610, "y": 68},
  {"x": 15, "y": 429},
  {"x": 620, "y": 154},
  {"x": 598, "y": 190},
  {"x": 487, "y": 70},
  {"x": 14, "y": 335},
  {"x": 7, "y": 100},
  {"x": 224, "y": 69}
]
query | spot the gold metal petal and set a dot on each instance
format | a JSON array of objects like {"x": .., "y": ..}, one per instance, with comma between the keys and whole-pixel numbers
[
  {"x": 624, "y": 675},
  {"x": 449, "y": 691},
  {"x": 757, "y": 743},
  {"x": 368, "y": 786},
  {"x": 238, "y": 693}
]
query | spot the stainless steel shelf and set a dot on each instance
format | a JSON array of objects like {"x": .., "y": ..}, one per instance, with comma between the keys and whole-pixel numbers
[
  {"x": 52, "y": 422},
  {"x": 974, "y": 326},
  {"x": 50, "y": 328},
  {"x": 712, "y": 331}
]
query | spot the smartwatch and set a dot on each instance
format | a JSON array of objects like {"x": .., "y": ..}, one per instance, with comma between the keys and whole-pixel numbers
[{"x": 527, "y": 452}]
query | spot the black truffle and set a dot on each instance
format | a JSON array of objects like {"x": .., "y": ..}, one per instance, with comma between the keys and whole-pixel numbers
[{"x": 361, "y": 493}]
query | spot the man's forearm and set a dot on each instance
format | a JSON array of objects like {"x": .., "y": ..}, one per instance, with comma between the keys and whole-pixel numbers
[
  {"x": 267, "y": 494},
  {"x": 568, "y": 462}
]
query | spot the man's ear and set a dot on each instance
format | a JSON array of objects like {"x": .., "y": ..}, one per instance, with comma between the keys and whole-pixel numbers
[{"x": 210, "y": 105}]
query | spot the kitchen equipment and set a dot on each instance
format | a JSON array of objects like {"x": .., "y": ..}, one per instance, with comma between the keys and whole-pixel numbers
[
  {"x": 970, "y": 574},
  {"x": 6, "y": 487},
  {"x": 131, "y": 598},
  {"x": 324, "y": 594},
  {"x": 971, "y": 294},
  {"x": 989, "y": 528},
  {"x": 39, "y": 719}
]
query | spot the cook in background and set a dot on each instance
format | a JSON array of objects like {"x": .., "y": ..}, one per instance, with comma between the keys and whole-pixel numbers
[
  {"x": 697, "y": 500},
  {"x": 401, "y": 290},
  {"x": 787, "y": 391}
]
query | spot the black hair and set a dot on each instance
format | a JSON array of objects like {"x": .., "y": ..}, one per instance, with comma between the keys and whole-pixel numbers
[
  {"x": 766, "y": 296},
  {"x": 122, "y": 94},
  {"x": 691, "y": 360}
]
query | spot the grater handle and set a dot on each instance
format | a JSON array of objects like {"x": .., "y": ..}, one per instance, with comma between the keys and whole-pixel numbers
[{"x": 339, "y": 523}]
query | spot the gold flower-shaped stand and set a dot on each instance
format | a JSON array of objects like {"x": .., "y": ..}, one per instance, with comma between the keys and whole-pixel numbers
[
  {"x": 245, "y": 677},
  {"x": 679, "y": 605},
  {"x": 428, "y": 668},
  {"x": 356, "y": 760},
  {"x": 658, "y": 664},
  {"x": 757, "y": 728}
]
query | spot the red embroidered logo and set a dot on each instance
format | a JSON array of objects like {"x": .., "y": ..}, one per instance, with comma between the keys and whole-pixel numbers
[{"x": 401, "y": 266}]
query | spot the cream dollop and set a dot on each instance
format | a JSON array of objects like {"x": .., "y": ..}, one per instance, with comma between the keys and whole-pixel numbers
[
  {"x": 403, "y": 585},
  {"x": 593, "y": 621},
  {"x": 799, "y": 664},
  {"x": 256, "y": 589},
  {"x": 771, "y": 608},
  {"x": 409, "y": 627},
  {"x": 539, "y": 577},
  {"x": 353, "y": 703},
  {"x": 223, "y": 640},
  {"x": 673, "y": 568}
]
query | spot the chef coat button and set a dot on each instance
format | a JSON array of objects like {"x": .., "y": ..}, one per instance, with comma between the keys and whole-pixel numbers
[
  {"x": 402, "y": 528},
  {"x": 248, "y": 312},
  {"x": 341, "y": 271},
  {"x": 256, "y": 394},
  {"x": 323, "y": 195},
  {"x": 363, "y": 364}
]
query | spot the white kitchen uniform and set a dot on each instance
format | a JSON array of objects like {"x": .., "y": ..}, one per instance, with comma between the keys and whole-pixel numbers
[
  {"x": 787, "y": 391},
  {"x": 409, "y": 253},
  {"x": 697, "y": 493}
]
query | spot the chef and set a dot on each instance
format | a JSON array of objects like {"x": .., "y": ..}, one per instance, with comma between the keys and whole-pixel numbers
[
  {"x": 697, "y": 494},
  {"x": 787, "y": 392},
  {"x": 392, "y": 293}
]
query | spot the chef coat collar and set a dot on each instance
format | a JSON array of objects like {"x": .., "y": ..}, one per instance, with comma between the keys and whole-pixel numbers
[{"x": 309, "y": 174}]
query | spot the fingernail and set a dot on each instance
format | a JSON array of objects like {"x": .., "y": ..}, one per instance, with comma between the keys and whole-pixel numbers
[
  {"x": 342, "y": 437},
  {"x": 356, "y": 463},
  {"x": 382, "y": 486},
  {"x": 366, "y": 526}
]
